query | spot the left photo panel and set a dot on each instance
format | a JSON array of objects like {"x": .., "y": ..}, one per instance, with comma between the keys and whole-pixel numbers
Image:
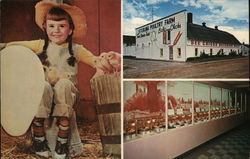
[{"x": 60, "y": 79}]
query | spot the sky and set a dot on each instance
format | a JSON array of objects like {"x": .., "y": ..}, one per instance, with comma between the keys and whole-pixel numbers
[{"x": 228, "y": 15}]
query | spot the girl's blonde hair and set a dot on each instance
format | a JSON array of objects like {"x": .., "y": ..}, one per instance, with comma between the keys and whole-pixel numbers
[{"x": 58, "y": 14}]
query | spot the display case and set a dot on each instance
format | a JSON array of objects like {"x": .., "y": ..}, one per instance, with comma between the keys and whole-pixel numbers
[
  {"x": 144, "y": 108},
  {"x": 233, "y": 102},
  {"x": 179, "y": 103},
  {"x": 187, "y": 103},
  {"x": 238, "y": 102},
  {"x": 244, "y": 102},
  {"x": 201, "y": 102},
  {"x": 215, "y": 103},
  {"x": 225, "y": 106}
]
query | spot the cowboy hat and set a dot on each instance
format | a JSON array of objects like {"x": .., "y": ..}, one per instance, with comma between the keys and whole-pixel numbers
[{"x": 77, "y": 15}]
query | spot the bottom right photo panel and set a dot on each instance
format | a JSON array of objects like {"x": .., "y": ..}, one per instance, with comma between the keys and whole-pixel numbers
[{"x": 170, "y": 119}]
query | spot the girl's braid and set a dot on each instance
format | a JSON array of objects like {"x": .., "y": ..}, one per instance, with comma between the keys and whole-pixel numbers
[
  {"x": 71, "y": 60},
  {"x": 43, "y": 56}
]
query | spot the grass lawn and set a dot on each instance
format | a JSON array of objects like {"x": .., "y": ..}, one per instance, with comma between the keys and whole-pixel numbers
[{"x": 212, "y": 58}]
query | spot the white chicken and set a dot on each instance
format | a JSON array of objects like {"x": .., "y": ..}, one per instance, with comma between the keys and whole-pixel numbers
[
  {"x": 108, "y": 63},
  {"x": 52, "y": 75}
]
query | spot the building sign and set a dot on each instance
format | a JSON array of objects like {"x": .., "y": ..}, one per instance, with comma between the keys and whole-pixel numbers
[
  {"x": 206, "y": 43},
  {"x": 163, "y": 25}
]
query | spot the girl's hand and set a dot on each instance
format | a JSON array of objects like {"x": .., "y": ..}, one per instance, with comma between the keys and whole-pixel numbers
[
  {"x": 114, "y": 60},
  {"x": 109, "y": 62},
  {"x": 102, "y": 64}
]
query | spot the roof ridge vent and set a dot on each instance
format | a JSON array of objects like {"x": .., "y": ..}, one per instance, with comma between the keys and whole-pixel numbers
[
  {"x": 190, "y": 17},
  {"x": 204, "y": 24}
]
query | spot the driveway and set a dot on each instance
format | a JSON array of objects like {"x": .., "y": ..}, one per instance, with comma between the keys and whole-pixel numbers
[{"x": 230, "y": 68}]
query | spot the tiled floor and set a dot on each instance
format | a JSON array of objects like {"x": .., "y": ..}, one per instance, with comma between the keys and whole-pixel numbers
[{"x": 234, "y": 144}]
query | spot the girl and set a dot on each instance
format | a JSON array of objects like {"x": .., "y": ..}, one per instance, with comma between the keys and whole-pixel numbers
[{"x": 62, "y": 24}]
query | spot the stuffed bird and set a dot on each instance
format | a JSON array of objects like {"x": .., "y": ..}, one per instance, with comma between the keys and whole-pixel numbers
[
  {"x": 52, "y": 75},
  {"x": 107, "y": 63}
]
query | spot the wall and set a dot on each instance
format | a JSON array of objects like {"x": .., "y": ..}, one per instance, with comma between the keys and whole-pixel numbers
[
  {"x": 174, "y": 142},
  {"x": 226, "y": 49},
  {"x": 149, "y": 45},
  {"x": 129, "y": 51},
  {"x": 245, "y": 50},
  {"x": 18, "y": 21},
  {"x": 103, "y": 31},
  {"x": 182, "y": 42},
  {"x": 103, "y": 35}
]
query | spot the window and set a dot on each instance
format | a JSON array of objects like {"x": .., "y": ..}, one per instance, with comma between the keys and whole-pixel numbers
[
  {"x": 201, "y": 102},
  {"x": 141, "y": 96},
  {"x": 215, "y": 103},
  {"x": 179, "y": 52},
  {"x": 196, "y": 51},
  {"x": 211, "y": 52},
  {"x": 225, "y": 102},
  {"x": 169, "y": 35},
  {"x": 164, "y": 36},
  {"x": 186, "y": 103},
  {"x": 161, "y": 52},
  {"x": 142, "y": 45},
  {"x": 179, "y": 104}
]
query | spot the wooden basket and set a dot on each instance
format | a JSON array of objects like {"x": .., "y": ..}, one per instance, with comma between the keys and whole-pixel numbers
[{"x": 106, "y": 91}]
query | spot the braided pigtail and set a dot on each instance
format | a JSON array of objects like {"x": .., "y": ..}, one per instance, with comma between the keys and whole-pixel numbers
[
  {"x": 71, "y": 60},
  {"x": 43, "y": 56}
]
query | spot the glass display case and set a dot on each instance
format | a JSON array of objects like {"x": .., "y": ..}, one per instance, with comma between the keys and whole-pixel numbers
[
  {"x": 144, "y": 108},
  {"x": 233, "y": 102},
  {"x": 244, "y": 102},
  {"x": 179, "y": 103},
  {"x": 225, "y": 107},
  {"x": 215, "y": 103},
  {"x": 187, "y": 103},
  {"x": 238, "y": 102},
  {"x": 201, "y": 102}
]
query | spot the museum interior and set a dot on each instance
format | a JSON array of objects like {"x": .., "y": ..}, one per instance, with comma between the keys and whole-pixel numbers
[{"x": 186, "y": 119}]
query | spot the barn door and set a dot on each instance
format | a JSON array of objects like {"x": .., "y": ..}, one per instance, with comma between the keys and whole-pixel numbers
[{"x": 170, "y": 53}]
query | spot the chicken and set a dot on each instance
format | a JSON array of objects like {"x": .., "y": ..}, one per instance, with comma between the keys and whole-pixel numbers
[
  {"x": 52, "y": 75},
  {"x": 114, "y": 60},
  {"x": 107, "y": 63}
]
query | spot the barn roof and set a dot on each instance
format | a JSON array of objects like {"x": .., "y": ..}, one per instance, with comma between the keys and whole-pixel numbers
[
  {"x": 129, "y": 40},
  {"x": 203, "y": 33},
  {"x": 246, "y": 45}
]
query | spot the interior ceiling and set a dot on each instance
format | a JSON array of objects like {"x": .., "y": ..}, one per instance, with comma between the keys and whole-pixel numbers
[{"x": 237, "y": 84}]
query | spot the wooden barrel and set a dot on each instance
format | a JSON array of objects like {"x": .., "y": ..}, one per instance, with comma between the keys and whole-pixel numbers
[{"x": 106, "y": 91}]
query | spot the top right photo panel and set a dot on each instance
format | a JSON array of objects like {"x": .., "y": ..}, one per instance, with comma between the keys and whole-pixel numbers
[{"x": 206, "y": 39}]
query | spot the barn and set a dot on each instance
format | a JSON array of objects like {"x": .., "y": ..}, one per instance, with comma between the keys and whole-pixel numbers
[{"x": 177, "y": 38}]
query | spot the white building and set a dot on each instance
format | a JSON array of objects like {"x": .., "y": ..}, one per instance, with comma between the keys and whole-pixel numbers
[
  {"x": 128, "y": 45},
  {"x": 176, "y": 38},
  {"x": 244, "y": 49}
]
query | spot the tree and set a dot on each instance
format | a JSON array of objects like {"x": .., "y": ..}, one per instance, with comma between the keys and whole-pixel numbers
[{"x": 152, "y": 100}]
